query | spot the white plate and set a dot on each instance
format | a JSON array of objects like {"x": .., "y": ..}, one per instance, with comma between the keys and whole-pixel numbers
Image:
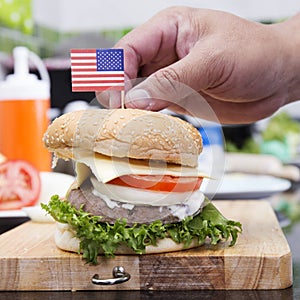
[
  {"x": 245, "y": 186},
  {"x": 51, "y": 183}
]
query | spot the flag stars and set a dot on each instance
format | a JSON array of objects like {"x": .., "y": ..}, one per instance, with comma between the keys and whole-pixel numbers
[{"x": 110, "y": 59}]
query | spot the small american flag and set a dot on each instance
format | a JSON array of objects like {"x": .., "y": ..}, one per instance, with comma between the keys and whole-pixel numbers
[{"x": 97, "y": 69}]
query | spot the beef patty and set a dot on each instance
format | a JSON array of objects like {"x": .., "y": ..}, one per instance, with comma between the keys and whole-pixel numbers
[{"x": 111, "y": 211}]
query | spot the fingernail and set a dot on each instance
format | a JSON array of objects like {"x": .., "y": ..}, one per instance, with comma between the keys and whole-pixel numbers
[
  {"x": 138, "y": 98},
  {"x": 114, "y": 99}
]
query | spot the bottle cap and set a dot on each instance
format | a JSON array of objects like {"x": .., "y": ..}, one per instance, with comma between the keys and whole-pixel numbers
[{"x": 22, "y": 85}]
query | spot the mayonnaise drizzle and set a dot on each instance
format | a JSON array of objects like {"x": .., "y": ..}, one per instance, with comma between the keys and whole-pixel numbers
[{"x": 190, "y": 207}]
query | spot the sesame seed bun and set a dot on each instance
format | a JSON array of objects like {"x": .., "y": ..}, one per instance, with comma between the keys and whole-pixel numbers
[{"x": 130, "y": 133}]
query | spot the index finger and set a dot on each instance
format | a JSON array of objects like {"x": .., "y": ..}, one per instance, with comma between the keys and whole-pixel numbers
[{"x": 150, "y": 46}]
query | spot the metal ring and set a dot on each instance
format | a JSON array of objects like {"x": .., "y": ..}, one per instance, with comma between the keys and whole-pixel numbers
[{"x": 119, "y": 276}]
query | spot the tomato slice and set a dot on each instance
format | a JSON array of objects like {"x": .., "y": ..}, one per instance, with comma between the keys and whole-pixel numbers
[
  {"x": 20, "y": 184},
  {"x": 164, "y": 183}
]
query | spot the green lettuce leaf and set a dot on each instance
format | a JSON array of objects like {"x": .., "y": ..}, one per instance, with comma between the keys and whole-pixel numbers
[{"x": 95, "y": 235}]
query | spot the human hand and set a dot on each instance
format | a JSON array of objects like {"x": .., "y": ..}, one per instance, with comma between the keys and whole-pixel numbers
[{"x": 243, "y": 69}]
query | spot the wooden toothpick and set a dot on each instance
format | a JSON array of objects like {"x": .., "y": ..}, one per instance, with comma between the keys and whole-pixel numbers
[{"x": 122, "y": 99}]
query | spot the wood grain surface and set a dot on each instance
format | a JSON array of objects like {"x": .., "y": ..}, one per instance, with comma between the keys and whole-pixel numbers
[{"x": 261, "y": 259}]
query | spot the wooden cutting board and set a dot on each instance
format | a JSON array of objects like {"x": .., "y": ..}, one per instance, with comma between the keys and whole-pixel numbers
[{"x": 261, "y": 259}]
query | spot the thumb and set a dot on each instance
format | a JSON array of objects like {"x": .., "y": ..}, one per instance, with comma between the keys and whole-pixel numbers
[{"x": 168, "y": 86}]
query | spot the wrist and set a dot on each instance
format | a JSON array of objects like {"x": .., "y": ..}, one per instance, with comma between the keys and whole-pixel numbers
[{"x": 290, "y": 38}]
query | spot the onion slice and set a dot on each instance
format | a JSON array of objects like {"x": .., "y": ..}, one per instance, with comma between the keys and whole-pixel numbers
[{"x": 137, "y": 196}]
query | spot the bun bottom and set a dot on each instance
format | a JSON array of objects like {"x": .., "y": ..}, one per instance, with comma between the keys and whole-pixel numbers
[{"x": 65, "y": 240}]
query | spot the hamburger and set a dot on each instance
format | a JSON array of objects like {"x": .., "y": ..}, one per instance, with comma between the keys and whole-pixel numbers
[{"x": 137, "y": 187}]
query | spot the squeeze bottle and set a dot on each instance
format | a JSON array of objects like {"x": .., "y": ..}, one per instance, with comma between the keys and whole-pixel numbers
[{"x": 24, "y": 107}]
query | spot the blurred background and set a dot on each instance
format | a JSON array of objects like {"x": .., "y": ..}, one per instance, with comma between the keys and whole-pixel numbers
[
  {"x": 269, "y": 147},
  {"x": 51, "y": 28}
]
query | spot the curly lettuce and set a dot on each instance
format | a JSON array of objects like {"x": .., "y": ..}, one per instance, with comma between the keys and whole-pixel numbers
[{"x": 95, "y": 235}]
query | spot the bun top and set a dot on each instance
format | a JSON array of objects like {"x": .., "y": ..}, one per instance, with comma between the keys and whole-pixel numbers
[{"x": 131, "y": 133}]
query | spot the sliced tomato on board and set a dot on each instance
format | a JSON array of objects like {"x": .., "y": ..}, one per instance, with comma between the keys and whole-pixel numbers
[
  {"x": 20, "y": 184},
  {"x": 164, "y": 183}
]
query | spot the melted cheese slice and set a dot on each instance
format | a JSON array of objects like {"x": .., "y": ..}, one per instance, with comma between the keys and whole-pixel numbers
[{"x": 107, "y": 168}]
